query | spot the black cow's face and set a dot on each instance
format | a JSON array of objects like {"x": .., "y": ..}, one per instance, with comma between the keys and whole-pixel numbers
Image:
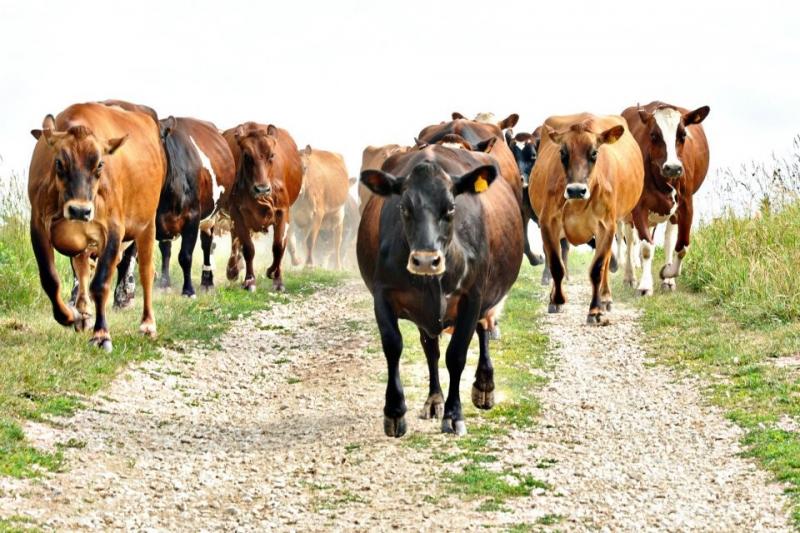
[
  {"x": 78, "y": 161},
  {"x": 525, "y": 150},
  {"x": 428, "y": 208}
]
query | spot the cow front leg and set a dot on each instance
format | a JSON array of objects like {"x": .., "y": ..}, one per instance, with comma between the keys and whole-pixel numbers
[
  {"x": 434, "y": 405},
  {"x": 685, "y": 214},
  {"x": 394, "y": 409},
  {"x": 126, "y": 282},
  {"x": 101, "y": 287},
  {"x": 552, "y": 251},
  {"x": 188, "y": 241},
  {"x": 668, "y": 284},
  {"x": 597, "y": 272},
  {"x": 483, "y": 387},
  {"x": 278, "y": 248},
  {"x": 248, "y": 252},
  {"x": 456, "y": 358},
  {"x": 311, "y": 240},
  {"x": 48, "y": 276}
]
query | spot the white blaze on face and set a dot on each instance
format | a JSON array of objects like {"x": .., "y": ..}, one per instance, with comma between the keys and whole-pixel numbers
[
  {"x": 454, "y": 146},
  {"x": 668, "y": 120},
  {"x": 520, "y": 144},
  {"x": 216, "y": 190}
]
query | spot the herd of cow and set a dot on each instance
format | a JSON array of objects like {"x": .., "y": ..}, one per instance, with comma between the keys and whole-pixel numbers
[{"x": 441, "y": 231}]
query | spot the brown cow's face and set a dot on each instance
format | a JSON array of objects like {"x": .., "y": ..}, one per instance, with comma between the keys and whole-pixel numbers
[
  {"x": 78, "y": 162},
  {"x": 579, "y": 150},
  {"x": 427, "y": 208},
  {"x": 258, "y": 158},
  {"x": 667, "y": 131}
]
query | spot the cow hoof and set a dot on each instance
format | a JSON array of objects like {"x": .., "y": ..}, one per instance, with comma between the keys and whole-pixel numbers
[
  {"x": 207, "y": 288},
  {"x": 104, "y": 343},
  {"x": 249, "y": 285},
  {"x": 148, "y": 330},
  {"x": 597, "y": 319},
  {"x": 546, "y": 281},
  {"x": 536, "y": 259},
  {"x": 629, "y": 283},
  {"x": 433, "y": 408},
  {"x": 457, "y": 427},
  {"x": 645, "y": 292},
  {"x": 494, "y": 333},
  {"x": 189, "y": 293},
  {"x": 232, "y": 274},
  {"x": 482, "y": 399},
  {"x": 605, "y": 306},
  {"x": 277, "y": 286},
  {"x": 668, "y": 285},
  {"x": 394, "y": 427},
  {"x": 82, "y": 322},
  {"x": 271, "y": 272},
  {"x": 555, "y": 308},
  {"x": 613, "y": 266},
  {"x": 164, "y": 283}
]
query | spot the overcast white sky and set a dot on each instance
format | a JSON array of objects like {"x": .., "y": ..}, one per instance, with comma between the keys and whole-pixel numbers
[{"x": 341, "y": 75}]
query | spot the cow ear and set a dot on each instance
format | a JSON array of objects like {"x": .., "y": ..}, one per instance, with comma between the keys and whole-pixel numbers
[
  {"x": 485, "y": 146},
  {"x": 611, "y": 135},
  {"x": 36, "y": 134},
  {"x": 509, "y": 122},
  {"x": 382, "y": 183},
  {"x": 697, "y": 116},
  {"x": 114, "y": 144},
  {"x": 170, "y": 124},
  {"x": 419, "y": 144},
  {"x": 509, "y": 135},
  {"x": 475, "y": 181},
  {"x": 48, "y": 127},
  {"x": 272, "y": 131},
  {"x": 523, "y": 137},
  {"x": 238, "y": 132},
  {"x": 456, "y": 115}
]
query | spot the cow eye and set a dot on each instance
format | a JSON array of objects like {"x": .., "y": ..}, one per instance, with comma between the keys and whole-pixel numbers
[
  {"x": 450, "y": 213},
  {"x": 654, "y": 137},
  {"x": 271, "y": 157},
  {"x": 593, "y": 155},
  {"x": 564, "y": 155},
  {"x": 59, "y": 167},
  {"x": 681, "y": 136},
  {"x": 99, "y": 169}
]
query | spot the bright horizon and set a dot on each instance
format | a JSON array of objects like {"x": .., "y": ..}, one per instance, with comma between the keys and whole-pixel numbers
[{"x": 340, "y": 77}]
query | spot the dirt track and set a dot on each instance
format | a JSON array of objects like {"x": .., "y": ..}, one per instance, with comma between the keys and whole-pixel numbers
[{"x": 281, "y": 428}]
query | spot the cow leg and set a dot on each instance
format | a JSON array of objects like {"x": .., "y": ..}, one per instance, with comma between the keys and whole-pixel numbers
[
  {"x": 165, "y": 247},
  {"x": 125, "y": 290},
  {"x": 145, "y": 245},
  {"x": 188, "y": 241},
  {"x": 394, "y": 409},
  {"x": 311, "y": 239},
  {"x": 291, "y": 245},
  {"x": 235, "y": 260},
  {"x": 101, "y": 286},
  {"x": 668, "y": 284},
  {"x": 434, "y": 405},
  {"x": 338, "y": 233},
  {"x": 605, "y": 288},
  {"x": 527, "y": 215},
  {"x": 646, "y": 250},
  {"x": 456, "y": 358},
  {"x": 48, "y": 276},
  {"x": 207, "y": 244},
  {"x": 82, "y": 268},
  {"x": 597, "y": 272},
  {"x": 248, "y": 252},
  {"x": 483, "y": 387},
  {"x": 552, "y": 251},
  {"x": 278, "y": 248},
  {"x": 630, "y": 278},
  {"x": 684, "y": 214},
  {"x": 547, "y": 276}
]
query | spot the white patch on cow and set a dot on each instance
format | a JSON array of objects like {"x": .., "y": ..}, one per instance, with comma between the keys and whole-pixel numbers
[
  {"x": 486, "y": 118},
  {"x": 668, "y": 120},
  {"x": 216, "y": 189},
  {"x": 669, "y": 242},
  {"x": 454, "y": 146},
  {"x": 627, "y": 231},
  {"x": 646, "y": 283},
  {"x": 674, "y": 202},
  {"x": 520, "y": 144}
]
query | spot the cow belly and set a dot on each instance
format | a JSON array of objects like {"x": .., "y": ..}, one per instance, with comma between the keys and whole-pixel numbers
[{"x": 72, "y": 238}]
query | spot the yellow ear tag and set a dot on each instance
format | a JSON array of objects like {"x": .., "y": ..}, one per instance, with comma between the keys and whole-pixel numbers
[{"x": 481, "y": 184}]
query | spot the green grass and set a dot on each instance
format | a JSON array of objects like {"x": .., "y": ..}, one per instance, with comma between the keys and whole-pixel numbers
[
  {"x": 735, "y": 315},
  {"x": 17, "y": 524},
  {"x": 18, "y": 459}
]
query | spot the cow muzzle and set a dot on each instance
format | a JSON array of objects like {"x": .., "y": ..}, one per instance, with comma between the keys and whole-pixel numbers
[
  {"x": 576, "y": 191},
  {"x": 259, "y": 191},
  {"x": 425, "y": 263},
  {"x": 672, "y": 171},
  {"x": 78, "y": 211}
]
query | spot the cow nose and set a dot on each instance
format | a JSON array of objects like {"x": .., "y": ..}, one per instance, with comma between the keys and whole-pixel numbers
[
  {"x": 262, "y": 190},
  {"x": 576, "y": 191},
  {"x": 672, "y": 171},
  {"x": 425, "y": 263},
  {"x": 79, "y": 212}
]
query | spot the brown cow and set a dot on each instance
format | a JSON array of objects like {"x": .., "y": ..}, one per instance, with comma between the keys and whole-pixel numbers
[
  {"x": 94, "y": 183},
  {"x": 440, "y": 244},
  {"x": 675, "y": 152},
  {"x": 587, "y": 177},
  {"x": 321, "y": 203},
  {"x": 373, "y": 157},
  {"x": 269, "y": 176}
]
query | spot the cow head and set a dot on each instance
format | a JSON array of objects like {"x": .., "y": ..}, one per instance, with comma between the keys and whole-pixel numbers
[
  {"x": 427, "y": 207},
  {"x": 525, "y": 148},
  {"x": 78, "y": 161},
  {"x": 579, "y": 148},
  {"x": 258, "y": 148},
  {"x": 667, "y": 129}
]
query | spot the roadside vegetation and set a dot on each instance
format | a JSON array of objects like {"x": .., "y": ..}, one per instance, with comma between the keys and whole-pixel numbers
[
  {"x": 47, "y": 370},
  {"x": 735, "y": 319}
]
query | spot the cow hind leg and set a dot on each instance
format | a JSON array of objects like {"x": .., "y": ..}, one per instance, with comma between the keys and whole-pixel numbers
[
  {"x": 456, "y": 358},
  {"x": 483, "y": 387},
  {"x": 556, "y": 269},
  {"x": 434, "y": 405},
  {"x": 597, "y": 272},
  {"x": 235, "y": 263},
  {"x": 394, "y": 409},
  {"x": 82, "y": 268},
  {"x": 645, "y": 288},
  {"x": 125, "y": 290},
  {"x": 145, "y": 245},
  {"x": 100, "y": 288},
  {"x": 165, "y": 247},
  {"x": 629, "y": 278},
  {"x": 188, "y": 242},
  {"x": 207, "y": 244},
  {"x": 278, "y": 248},
  {"x": 668, "y": 283}
]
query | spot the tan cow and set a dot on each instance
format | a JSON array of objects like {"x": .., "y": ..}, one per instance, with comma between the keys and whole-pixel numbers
[
  {"x": 321, "y": 204},
  {"x": 372, "y": 158},
  {"x": 588, "y": 176}
]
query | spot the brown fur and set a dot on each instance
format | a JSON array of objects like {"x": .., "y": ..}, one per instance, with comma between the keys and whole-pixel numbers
[{"x": 373, "y": 157}]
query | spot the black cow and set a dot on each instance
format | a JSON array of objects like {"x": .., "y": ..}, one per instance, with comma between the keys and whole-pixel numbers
[
  {"x": 437, "y": 245},
  {"x": 525, "y": 147}
]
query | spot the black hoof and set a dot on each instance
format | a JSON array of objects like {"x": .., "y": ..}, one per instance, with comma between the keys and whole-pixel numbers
[
  {"x": 457, "y": 427},
  {"x": 536, "y": 259},
  {"x": 207, "y": 281},
  {"x": 597, "y": 319},
  {"x": 667, "y": 287},
  {"x": 394, "y": 427},
  {"x": 433, "y": 408},
  {"x": 232, "y": 274},
  {"x": 644, "y": 292},
  {"x": 164, "y": 283},
  {"x": 277, "y": 285},
  {"x": 249, "y": 285},
  {"x": 104, "y": 343},
  {"x": 613, "y": 265},
  {"x": 555, "y": 308},
  {"x": 482, "y": 399}
]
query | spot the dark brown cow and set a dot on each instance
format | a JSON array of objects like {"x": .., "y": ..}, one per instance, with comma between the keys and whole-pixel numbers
[
  {"x": 269, "y": 176},
  {"x": 675, "y": 153},
  {"x": 440, "y": 244},
  {"x": 321, "y": 203},
  {"x": 587, "y": 177},
  {"x": 94, "y": 183},
  {"x": 373, "y": 157}
]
